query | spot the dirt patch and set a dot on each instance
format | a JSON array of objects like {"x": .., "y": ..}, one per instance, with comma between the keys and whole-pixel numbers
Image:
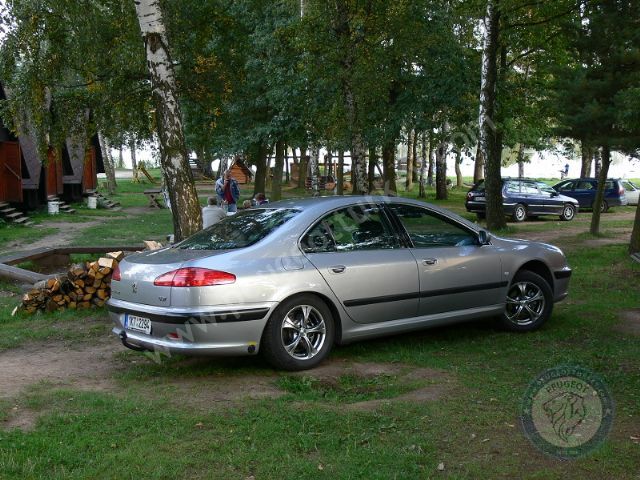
[
  {"x": 68, "y": 231},
  {"x": 629, "y": 321},
  {"x": 85, "y": 368},
  {"x": 23, "y": 418},
  {"x": 440, "y": 382}
]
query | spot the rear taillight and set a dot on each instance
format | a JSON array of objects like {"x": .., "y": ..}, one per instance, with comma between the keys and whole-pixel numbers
[
  {"x": 116, "y": 274},
  {"x": 469, "y": 196},
  {"x": 194, "y": 277},
  {"x": 621, "y": 191}
]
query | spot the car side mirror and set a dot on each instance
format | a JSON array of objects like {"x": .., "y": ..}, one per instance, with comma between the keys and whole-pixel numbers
[
  {"x": 483, "y": 237},
  {"x": 554, "y": 194}
]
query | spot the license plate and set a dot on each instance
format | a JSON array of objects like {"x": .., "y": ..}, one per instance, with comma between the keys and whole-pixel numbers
[
  {"x": 479, "y": 197},
  {"x": 138, "y": 324}
]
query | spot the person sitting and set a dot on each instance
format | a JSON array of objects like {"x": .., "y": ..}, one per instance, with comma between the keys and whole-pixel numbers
[
  {"x": 260, "y": 199},
  {"x": 246, "y": 204},
  {"x": 212, "y": 213}
]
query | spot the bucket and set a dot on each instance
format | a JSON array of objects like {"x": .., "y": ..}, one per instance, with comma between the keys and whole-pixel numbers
[
  {"x": 92, "y": 202},
  {"x": 54, "y": 208}
]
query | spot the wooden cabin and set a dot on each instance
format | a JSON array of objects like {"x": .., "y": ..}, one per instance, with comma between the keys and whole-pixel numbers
[
  {"x": 240, "y": 172},
  {"x": 80, "y": 166}
]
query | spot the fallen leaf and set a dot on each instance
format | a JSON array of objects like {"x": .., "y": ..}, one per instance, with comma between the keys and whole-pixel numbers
[{"x": 441, "y": 466}]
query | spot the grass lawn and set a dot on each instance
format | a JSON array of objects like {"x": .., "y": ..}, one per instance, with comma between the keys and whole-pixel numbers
[{"x": 390, "y": 408}]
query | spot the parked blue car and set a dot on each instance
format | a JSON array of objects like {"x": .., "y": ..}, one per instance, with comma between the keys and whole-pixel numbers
[
  {"x": 584, "y": 191},
  {"x": 522, "y": 198}
]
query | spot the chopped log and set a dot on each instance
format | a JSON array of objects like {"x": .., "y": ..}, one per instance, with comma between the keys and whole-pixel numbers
[
  {"x": 72, "y": 305},
  {"x": 107, "y": 263},
  {"x": 97, "y": 302},
  {"x": 117, "y": 256},
  {"x": 84, "y": 305},
  {"x": 152, "y": 245},
  {"x": 96, "y": 283},
  {"x": 57, "y": 298},
  {"x": 99, "y": 275},
  {"x": 90, "y": 289},
  {"x": 51, "y": 306},
  {"x": 79, "y": 283},
  {"x": 87, "y": 297},
  {"x": 102, "y": 294}
]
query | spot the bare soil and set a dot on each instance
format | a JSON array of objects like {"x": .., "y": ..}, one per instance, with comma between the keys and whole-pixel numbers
[{"x": 629, "y": 321}]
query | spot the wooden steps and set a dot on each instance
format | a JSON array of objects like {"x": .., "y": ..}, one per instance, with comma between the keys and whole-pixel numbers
[
  {"x": 104, "y": 201},
  {"x": 62, "y": 206},
  {"x": 11, "y": 215}
]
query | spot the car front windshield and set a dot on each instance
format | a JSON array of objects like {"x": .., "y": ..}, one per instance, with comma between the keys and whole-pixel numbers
[{"x": 238, "y": 231}]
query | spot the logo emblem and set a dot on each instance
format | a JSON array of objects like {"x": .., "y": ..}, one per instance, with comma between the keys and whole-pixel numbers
[
  {"x": 567, "y": 411},
  {"x": 134, "y": 287}
]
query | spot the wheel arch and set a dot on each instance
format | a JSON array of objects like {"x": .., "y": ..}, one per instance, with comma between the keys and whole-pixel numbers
[
  {"x": 335, "y": 313},
  {"x": 540, "y": 268}
]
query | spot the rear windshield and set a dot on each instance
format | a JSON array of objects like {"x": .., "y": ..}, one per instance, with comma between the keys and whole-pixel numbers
[
  {"x": 479, "y": 186},
  {"x": 238, "y": 231}
]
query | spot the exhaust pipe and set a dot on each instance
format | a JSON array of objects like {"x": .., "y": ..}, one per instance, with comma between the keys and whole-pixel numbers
[{"x": 123, "y": 338}]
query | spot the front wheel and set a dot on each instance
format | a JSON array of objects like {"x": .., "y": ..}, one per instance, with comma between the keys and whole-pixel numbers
[
  {"x": 529, "y": 302},
  {"x": 568, "y": 212},
  {"x": 604, "y": 208},
  {"x": 519, "y": 213},
  {"x": 299, "y": 334}
]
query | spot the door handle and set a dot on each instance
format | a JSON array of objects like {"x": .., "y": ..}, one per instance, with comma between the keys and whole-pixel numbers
[
  {"x": 429, "y": 261},
  {"x": 338, "y": 268}
]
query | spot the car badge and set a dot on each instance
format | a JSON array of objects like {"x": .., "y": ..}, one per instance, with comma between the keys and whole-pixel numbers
[{"x": 134, "y": 287}]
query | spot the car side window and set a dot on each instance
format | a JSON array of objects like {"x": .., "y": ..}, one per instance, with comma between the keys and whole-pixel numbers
[
  {"x": 514, "y": 187},
  {"x": 585, "y": 186},
  {"x": 427, "y": 230},
  {"x": 529, "y": 188},
  {"x": 359, "y": 227},
  {"x": 565, "y": 187}
]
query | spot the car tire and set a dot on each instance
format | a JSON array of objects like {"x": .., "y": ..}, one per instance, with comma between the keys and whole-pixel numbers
[
  {"x": 519, "y": 213},
  {"x": 299, "y": 334},
  {"x": 604, "y": 208},
  {"x": 568, "y": 212},
  {"x": 529, "y": 302}
]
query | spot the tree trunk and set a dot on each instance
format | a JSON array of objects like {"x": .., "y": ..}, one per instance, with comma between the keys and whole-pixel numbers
[
  {"x": 411, "y": 139},
  {"x": 432, "y": 160},
  {"x": 276, "y": 185},
  {"x": 587, "y": 160},
  {"x": 259, "y": 154},
  {"x": 314, "y": 169},
  {"x": 186, "y": 211},
  {"x": 441, "y": 166},
  {"x": 521, "y": 161},
  {"x": 134, "y": 160},
  {"x": 602, "y": 180},
  {"x": 478, "y": 168},
  {"x": 459, "y": 182},
  {"x": 120, "y": 158},
  {"x": 340, "y": 173},
  {"x": 634, "y": 245},
  {"x": 287, "y": 171},
  {"x": 597, "y": 157},
  {"x": 489, "y": 140},
  {"x": 107, "y": 160},
  {"x": 204, "y": 162},
  {"x": 389, "y": 168},
  {"x": 373, "y": 160},
  {"x": 303, "y": 167},
  {"x": 415, "y": 172},
  {"x": 423, "y": 166}
]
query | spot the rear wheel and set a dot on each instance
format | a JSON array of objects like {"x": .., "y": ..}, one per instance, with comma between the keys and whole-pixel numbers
[
  {"x": 568, "y": 212},
  {"x": 299, "y": 334},
  {"x": 519, "y": 213},
  {"x": 604, "y": 207},
  {"x": 529, "y": 302}
]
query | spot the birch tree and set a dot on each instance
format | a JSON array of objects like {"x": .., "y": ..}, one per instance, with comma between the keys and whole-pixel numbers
[{"x": 187, "y": 216}]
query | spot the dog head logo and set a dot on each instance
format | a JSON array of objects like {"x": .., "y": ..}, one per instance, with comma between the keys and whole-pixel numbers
[{"x": 566, "y": 411}]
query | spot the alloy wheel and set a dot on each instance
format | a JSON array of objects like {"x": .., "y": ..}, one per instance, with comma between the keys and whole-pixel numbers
[
  {"x": 303, "y": 332},
  {"x": 525, "y": 303}
]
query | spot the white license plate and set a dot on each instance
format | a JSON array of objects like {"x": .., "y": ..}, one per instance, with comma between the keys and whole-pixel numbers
[
  {"x": 479, "y": 197},
  {"x": 138, "y": 324}
]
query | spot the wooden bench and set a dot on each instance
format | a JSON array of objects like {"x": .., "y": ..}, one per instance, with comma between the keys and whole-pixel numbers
[{"x": 154, "y": 195}]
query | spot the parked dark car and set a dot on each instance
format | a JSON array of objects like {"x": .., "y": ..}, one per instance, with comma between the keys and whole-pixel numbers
[
  {"x": 524, "y": 198},
  {"x": 584, "y": 191}
]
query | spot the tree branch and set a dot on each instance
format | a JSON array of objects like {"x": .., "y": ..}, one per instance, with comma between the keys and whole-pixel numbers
[{"x": 541, "y": 22}]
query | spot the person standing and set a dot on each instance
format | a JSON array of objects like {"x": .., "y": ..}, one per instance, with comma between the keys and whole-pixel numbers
[
  {"x": 212, "y": 213},
  {"x": 228, "y": 191}
]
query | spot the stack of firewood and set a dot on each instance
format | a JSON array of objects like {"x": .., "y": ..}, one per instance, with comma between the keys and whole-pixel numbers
[{"x": 85, "y": 285}]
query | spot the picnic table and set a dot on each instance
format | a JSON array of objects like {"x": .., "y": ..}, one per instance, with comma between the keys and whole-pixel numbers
[{"x": 154, "y": 195}]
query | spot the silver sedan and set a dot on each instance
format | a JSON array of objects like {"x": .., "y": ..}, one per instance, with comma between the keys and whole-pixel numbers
[{"x": 291, "y": 279}]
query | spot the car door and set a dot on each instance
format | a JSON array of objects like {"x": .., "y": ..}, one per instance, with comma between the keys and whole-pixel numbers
[
  {"x": 360, "y": 256},
  {"x": 456, "y": 272},
  {"x": 585, "y": 192},
  {"x": 536, "y": 201},
  {"x": 552, "y": 204}
]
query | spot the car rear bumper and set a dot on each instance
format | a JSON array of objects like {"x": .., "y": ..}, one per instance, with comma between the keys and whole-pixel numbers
[{"x": 219, "y": 330}]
